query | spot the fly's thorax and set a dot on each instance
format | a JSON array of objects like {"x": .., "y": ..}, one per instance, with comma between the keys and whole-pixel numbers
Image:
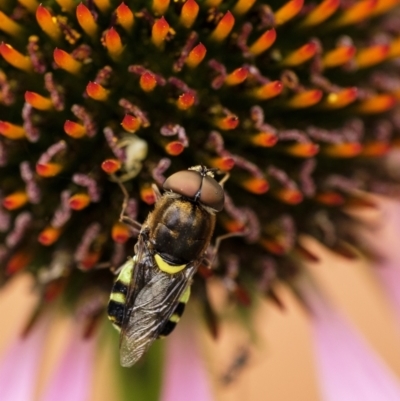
[{"x": 179, "y": 230}]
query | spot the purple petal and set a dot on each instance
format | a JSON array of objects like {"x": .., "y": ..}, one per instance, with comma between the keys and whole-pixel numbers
[
  {"x": 348, "y": 367},
  {"x": 72, "y": 378},
  {"x": 185, "y": 376},
  {"x": 20, "y": 364}
]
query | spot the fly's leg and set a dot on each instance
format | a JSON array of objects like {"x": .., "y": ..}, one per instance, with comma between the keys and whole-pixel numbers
[
  {"x": 156, "y": 191},
  {"x": 230, "y": 279},
  {"x": 116, "y": 270},
  {"x": 205, "y": 269},
  {"x": 123, "y": 217},
  {"x": 208, "y": 261},
  {"x": 107, "y": 265},
  {"x": 224, "y": 179}
]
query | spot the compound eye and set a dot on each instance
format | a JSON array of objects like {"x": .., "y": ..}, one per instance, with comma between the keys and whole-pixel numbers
[
  {"x": 186, "y": 183},
  {"x": 212, "y": 194}
]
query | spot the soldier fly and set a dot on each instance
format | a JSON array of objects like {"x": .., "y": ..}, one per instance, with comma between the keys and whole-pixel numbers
[{"x": 153, "y": 287}]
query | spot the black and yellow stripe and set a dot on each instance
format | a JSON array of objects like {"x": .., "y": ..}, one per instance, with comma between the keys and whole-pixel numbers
[
  {"x": 176, "y": 316},
  {"x": 117, "y": 304}
]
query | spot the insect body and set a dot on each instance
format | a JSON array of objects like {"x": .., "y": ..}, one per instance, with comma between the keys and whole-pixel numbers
[
  {"x": 150, "y": 293},
  {"x": 238, "y": 364}
]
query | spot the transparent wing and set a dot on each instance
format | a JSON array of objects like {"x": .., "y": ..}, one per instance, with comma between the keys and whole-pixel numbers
[
  {"x": 153, "y": 306},
  {"x": 138, "y": 276},
  {"x": 137, "y": 282}
]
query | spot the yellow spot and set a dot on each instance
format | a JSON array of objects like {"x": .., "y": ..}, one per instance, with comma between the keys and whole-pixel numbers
[
  {"x": 185, "y": 296},
  {"x": 126, "y": 273},
  {"x": 166, "y": 267},
  {"x": 117, "y": 327},
  {"x": 174, "y": 318},
  {"x": 118, "y": 297}
]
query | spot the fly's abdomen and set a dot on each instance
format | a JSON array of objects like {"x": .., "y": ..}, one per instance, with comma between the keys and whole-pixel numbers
[
  {"x": 117, "y": 303},
  {"x": 176, "y": 316}
]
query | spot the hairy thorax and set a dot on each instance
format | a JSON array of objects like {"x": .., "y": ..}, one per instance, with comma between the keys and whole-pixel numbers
[{"x": 179, "y": 230}]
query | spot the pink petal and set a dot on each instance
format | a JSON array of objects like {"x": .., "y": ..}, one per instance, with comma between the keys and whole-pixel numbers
[
  {"x": 73, "y": 377},
  {"x": 348, "y": 367},
  {"x": 20, "y": 364},
  {"x": 185, "y": 376}
]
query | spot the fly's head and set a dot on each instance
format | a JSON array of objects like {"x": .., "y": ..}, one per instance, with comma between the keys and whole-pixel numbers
[{"x": 198, "y": 185}]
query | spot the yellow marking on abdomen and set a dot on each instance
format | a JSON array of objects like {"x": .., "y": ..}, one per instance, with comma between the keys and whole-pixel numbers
[
  {"x": 126, "y": 272},
  {"x": 166, "y": 267},
  {"x": 116, "y": 327},
  {"x": 185, "y": 296},
  {"x": 118, "y": 297},
  {"x": 175, "y": 318}
]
